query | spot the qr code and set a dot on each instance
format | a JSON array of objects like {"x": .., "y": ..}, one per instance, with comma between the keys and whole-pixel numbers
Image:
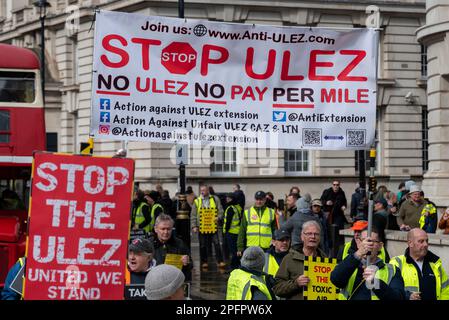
[
  {"x": 355, "y": 138},
  {"x": 312, "y": 137}
]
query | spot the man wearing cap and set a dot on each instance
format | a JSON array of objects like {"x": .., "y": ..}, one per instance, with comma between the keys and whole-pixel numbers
[
  {"x": 258, "y": 225},
  {"x": 290, "y": 278},
  {"x": 322, "y": 219},
  {"x": 207, "y": 237},
  {"x": 248, "y": 282},
  {"x": 422, "y": 271},
  {"x": 152, "y": 198},
  {"x": 140, "y": 261},
  {"x": 277, "y": 252},
  {"x": 412, "y": 209},
  {"x": 353, "y": 245},
  {"x": 231, "y": 227},
  {"x": 377, "y": 281},
  {"x": 164, "y": 282}
]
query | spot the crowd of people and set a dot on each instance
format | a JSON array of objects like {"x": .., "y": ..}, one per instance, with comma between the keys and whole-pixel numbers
[{"x": 263, "y": 245}]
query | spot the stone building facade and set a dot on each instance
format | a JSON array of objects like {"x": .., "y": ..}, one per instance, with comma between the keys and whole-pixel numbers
[{"x": 401, "y": 109}]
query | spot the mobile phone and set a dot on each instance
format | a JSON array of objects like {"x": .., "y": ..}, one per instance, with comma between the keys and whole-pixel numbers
[{"x": 281, "y": 203}]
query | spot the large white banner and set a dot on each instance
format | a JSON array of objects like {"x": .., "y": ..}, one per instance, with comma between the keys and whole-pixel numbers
[{"x": 171, "y": 80}]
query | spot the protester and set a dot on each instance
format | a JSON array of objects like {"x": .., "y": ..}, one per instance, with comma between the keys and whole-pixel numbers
[
  {"x": 207, "y": 201},
  {"x": 444, "y": 222},
  {"x": 248, "y": 282},
  {"x": 270, "y": 201},
  {"x": 153, "y": 200},
  {"x": 324, "y": 238},
  {"x": 7, "y": 293},
  {"x": 334, "y": 201},
  {"x": 291, "y": 200},
  {"x": 296, "y": 222},
  {"x": 164, "y": 282},
  {"x": 165, "y": 243},
  {"x": 411, "y": 210},
  {"x": 295, "y": 190},
  {"x": 278, "y": 250},
  {"x": 377, "y": 281},
  {"x": 167, "y": 204},
  {"x": 429, "y": 217},
  {"x": 356, "y": 199},
  {"x": 352, "y": 246},
  {"x": 140, "y": 260},
  {"x": 239, "y": 196},
  {"x": 422, "y": 271},
  {"x": 231, "y": 227},
  {"x": 258, "y": 225},
  {"x": 141, "y": 217},
  {"x": 290, "y": 279},
  {"x": 380, "y": 215},
  {"x": 392, "y": 210}
]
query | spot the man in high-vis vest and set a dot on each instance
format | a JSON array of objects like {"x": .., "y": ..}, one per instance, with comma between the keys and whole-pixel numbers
[
  {"x": 207, "y": 229},
  {"x": 141, "y": 217},
  {"x": 258, "y": 225},
  {"x": 422, "y": 271},
  {"x": 377, "y": 281},
  {"x": 351, "y": 246},
  {"x": 248, "y": 282},
  {"x": 152, "y": 198},
  {"x": 231, "y": 227},
  {"x": 277, "y": 252}
]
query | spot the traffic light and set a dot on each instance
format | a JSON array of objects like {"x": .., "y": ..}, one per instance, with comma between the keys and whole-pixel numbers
[
  {"x": 372, "y": 184},
  {"x": 87, "y": 147}
]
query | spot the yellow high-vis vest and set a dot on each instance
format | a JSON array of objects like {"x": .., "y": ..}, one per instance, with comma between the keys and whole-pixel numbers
[
  {"x": 271, "y": 265},
  {"x": 411, "y": 278},
  {"x": 140, "y": 218},
  {"x": 240, "y": 283},
  {"x": 235, "y": 223},
  {"x": 258, "y": 232},
  {"x": 385, "y": 274}
]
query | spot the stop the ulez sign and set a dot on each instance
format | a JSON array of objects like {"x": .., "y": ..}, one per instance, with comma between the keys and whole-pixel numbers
[{"x": 178, "y": 57}]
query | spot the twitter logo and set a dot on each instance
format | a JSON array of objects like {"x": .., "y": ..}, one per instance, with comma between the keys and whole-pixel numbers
[{"x": 279, "y": 116}]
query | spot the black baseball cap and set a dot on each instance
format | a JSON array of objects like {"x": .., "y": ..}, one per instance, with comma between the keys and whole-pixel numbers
[
  {"x": 260, "y": 195},
  {"x": 281, "y": 234},
  {"x": 141, "y": 245}
]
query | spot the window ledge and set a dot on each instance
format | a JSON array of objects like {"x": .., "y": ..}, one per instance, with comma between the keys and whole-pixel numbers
[
  {"x": 422, "y": 82},
  {"x": 386, "y": 82}
]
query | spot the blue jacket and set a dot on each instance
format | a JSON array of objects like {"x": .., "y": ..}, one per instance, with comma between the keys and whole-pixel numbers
[
  {"x": 343, "y": 271},
  {"x": 7, "y": 293}
]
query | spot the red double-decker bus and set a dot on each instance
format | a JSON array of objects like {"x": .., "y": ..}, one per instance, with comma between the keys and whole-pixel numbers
[{"x": 22, "y": 131}]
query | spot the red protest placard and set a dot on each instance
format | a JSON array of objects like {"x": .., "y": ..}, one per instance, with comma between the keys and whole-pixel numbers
[{"x": 79, "y": 227}]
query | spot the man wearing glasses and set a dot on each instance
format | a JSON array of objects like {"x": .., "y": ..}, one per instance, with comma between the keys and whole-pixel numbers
[
  {"x": 290, "y": 279},
  {"x": 377, "y": 281},
  {"x": 334, "y": 205}
]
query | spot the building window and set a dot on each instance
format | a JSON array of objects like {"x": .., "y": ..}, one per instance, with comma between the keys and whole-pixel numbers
[
  {"x": 423, "y": 61},
  {"x": 296, "y": 162},
  {"x": 5, "y": 131},
  {"x": 52, "y": 141},
  {"x": 425, "y": 140},
  {"x": 223, "y": 160}
]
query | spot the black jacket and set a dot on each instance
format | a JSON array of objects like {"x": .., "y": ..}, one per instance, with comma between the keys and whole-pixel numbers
[
  {"x": 338, "y": 199},
  {"x": 174, "y": 246},
  {"x": 343, "y": 271}
]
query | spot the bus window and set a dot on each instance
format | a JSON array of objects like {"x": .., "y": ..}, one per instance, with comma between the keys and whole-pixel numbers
[
  {"x": 17, "y": 86},
  {"x": 4, "y": 126}
]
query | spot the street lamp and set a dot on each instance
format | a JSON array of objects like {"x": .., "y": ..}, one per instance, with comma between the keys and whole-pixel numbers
[{"x": 42, "y": 5}]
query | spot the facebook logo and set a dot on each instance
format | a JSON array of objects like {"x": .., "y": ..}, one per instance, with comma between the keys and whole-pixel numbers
[
  {"x": 279, "y": 116},
  {"x": 105, "y": 104},
  {"x": 105, "y": 117}
]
